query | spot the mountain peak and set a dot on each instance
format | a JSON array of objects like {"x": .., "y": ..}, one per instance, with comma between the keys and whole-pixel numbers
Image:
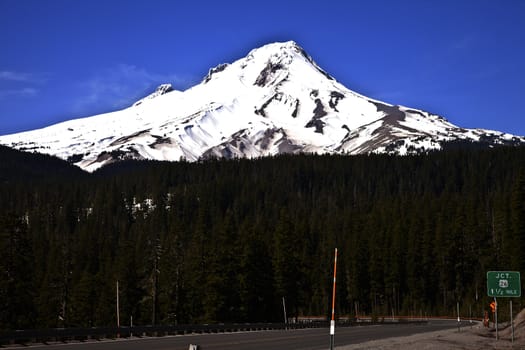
[
  {"x": 267, "y": 65},
  {"x": 274, "y": 100},
  {"x": 283, "y": 46},
  {"x": 280, "y": 49},
  {"x": 276, "y": 62}
]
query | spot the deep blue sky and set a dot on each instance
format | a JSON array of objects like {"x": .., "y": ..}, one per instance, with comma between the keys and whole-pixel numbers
[{"x": 64, "y": 59}]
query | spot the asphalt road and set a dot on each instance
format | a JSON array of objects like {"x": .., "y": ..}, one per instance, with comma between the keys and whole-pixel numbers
[{"x": 303, "y": 339}]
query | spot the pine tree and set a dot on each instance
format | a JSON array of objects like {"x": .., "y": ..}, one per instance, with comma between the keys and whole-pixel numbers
[
  {"x": 83, "y": 301},
  {"x": 286, "y": 263},
  {"x": 257, "y": 303},
  {"x": 16, "y": 275},
  {"x": 518, "y": 222}
]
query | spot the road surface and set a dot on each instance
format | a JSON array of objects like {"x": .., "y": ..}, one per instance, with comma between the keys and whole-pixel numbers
[{"x": 303, "y": 339}]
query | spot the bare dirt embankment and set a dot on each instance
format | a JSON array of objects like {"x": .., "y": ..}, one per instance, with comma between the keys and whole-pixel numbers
[{"x": 475, "y": 338}]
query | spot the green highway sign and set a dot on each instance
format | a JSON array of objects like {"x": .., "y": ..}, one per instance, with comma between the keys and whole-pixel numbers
[{"x": 503, "y": 284}]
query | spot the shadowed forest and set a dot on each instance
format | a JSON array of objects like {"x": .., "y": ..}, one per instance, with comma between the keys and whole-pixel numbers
[{"x": 225, "y": 241}]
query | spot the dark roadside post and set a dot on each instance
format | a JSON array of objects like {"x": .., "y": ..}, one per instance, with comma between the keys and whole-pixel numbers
[{"x": 332, "y": 322}]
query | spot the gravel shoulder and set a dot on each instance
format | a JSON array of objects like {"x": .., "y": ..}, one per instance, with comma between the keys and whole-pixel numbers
[{"x": 475, "y": 338}]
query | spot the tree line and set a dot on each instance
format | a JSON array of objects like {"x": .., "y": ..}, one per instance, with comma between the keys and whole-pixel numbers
[{"x": 226, "y": 240}]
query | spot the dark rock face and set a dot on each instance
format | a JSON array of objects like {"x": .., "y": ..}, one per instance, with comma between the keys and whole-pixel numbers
[
  {"x": 238, "y": 144},
  {"x": 319, "y": 111},
  {"x": 160, "y": 141},
  {"x": 125, "y": 139},
  {"x": 261, "y": 111},
  {"x": 303, "y": 53},
  {"x": 118, "y": 155},
  {"x": 229, "y": 149},
  {"x": 159, "y": 91},
  {"x": 277, "y": 97},
  {"x": 296, "y": 109},
  {"x": 215, "y": 70},
  {"x": 316, "y": 121},
  {"x": 284, "y": 144},
  {"x": 412, "y": 111},
  {"x": 334, "y": 99},
  {"x": 163, "y": 89},
  {"x": 266, "y": 73},
  {"x": 264, "y": 142},
  {"x": 392, "y": 112}
]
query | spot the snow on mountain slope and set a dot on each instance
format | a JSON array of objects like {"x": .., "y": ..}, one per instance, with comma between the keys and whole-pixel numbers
[{"x": 275, "y": 100}]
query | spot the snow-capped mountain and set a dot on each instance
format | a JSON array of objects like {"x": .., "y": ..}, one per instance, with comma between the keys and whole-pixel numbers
[{"x": 275, "y": 100}]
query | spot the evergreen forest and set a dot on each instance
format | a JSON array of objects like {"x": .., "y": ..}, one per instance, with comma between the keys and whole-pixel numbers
[{"x": 219, "y": 241}]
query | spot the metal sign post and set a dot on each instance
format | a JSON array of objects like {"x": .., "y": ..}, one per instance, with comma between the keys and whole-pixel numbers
[
  {"x": 284, "y": 310},
  {"x": 118, "y": 308},
  {"x": 496, "y": 317},
  {"x": 332, "y": 322},
  {"x": 459, "y": 319}
]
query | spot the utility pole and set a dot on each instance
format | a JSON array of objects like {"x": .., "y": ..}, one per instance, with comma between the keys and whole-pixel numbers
[{"x": 332, "y": 322}]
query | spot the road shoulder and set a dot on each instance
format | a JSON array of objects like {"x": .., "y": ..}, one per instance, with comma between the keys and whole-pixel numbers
[{"x": 468, "y": 338}]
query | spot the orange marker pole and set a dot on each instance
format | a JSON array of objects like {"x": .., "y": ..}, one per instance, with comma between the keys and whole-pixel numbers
[{"x": 332, "y": 322}]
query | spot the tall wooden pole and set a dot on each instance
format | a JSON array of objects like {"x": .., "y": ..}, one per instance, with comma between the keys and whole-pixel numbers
[{"x": 332, "y": 322}]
